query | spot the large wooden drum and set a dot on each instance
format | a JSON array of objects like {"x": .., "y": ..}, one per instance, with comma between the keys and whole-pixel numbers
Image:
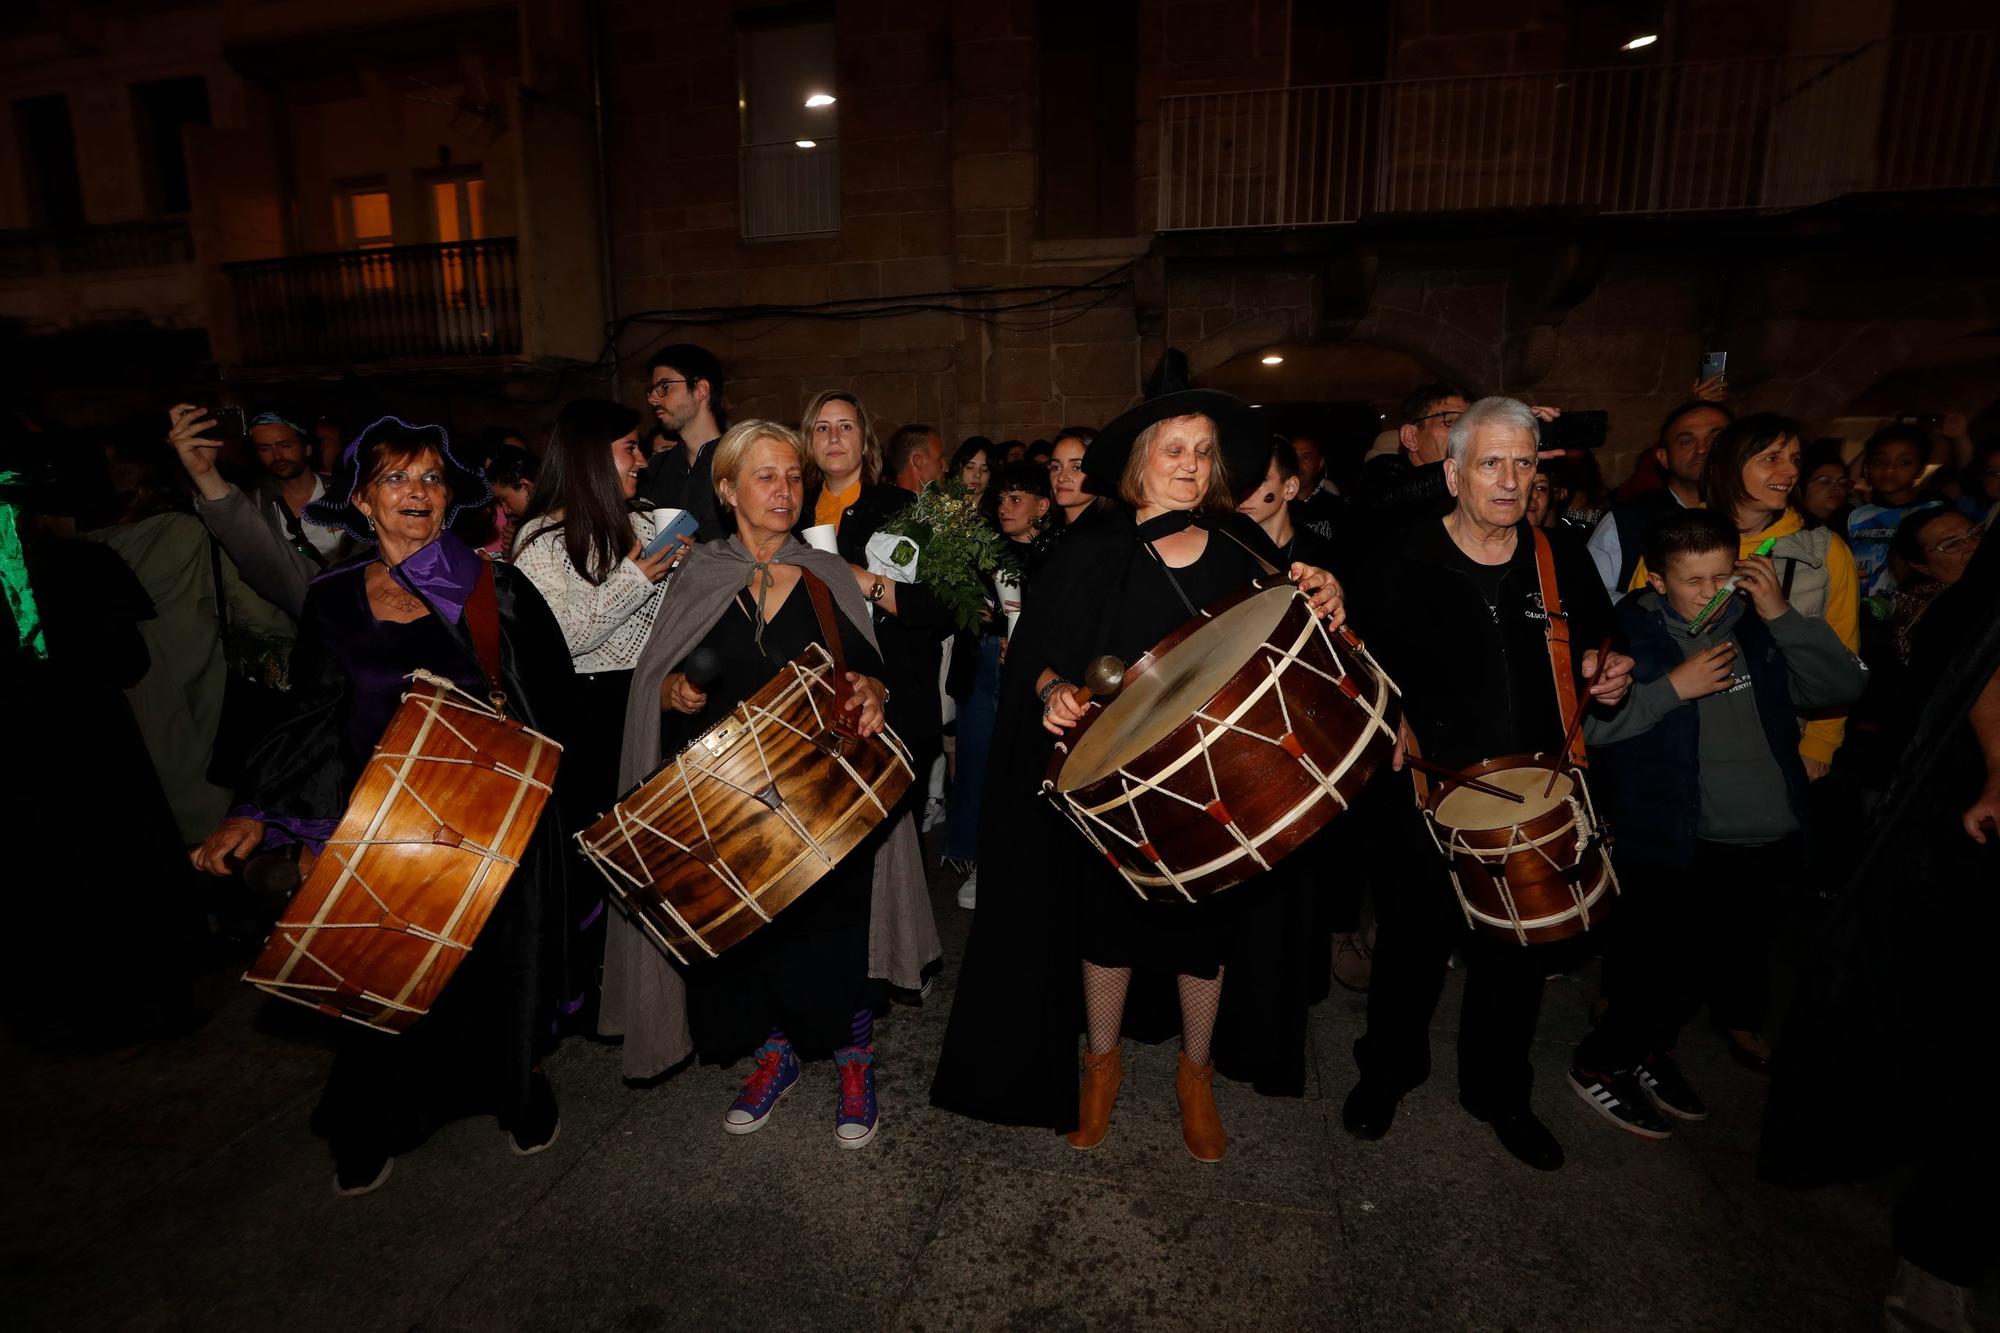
[
  {"x": 1229, "y": 744},
  {"x": 434, "y": 829},
  {"x": 747, "y": 818},
  {"x": 1534, "y": 871}
]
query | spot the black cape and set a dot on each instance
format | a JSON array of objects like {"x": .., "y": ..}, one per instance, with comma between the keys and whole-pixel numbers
[
  {"x": 1010, "y": 1050},
  {"x": 1894, "y": 1041},
  {"x": 473, "y": 1053}
]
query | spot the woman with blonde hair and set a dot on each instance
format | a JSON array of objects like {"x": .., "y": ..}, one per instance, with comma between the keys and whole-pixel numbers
[{"x": 810, "y": 981}]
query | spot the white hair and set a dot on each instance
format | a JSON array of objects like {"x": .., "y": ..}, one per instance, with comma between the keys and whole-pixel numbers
[{"x": 1507, "y": 413}]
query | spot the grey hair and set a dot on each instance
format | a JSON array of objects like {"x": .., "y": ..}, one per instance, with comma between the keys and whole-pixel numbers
[{"x": 1510, "y": 413}]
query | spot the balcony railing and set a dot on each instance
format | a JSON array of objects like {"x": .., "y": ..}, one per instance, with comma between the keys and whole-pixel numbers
[
  {"x": 110, "y": 247},
  {"x": 396, "y": 303},
  {"x": 1919, "y": 113}
]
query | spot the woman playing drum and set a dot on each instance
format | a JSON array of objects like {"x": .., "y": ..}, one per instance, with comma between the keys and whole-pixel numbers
[
  {"x": 812, "y": 977},
  {"x": 364, "y": 628},
  {"x": 1048, "y": 904}
]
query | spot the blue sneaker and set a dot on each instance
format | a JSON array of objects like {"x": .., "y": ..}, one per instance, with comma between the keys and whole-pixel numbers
[
  {"x": 854, "y": 1125},
  {"x": 777, "y": 1070}
]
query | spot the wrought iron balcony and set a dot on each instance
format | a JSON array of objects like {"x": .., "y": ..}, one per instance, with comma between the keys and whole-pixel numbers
[
  {"x": 455, "y": 301},
  {"x": 1916, "y": 113},
  {"x": 111, "y": 247}
]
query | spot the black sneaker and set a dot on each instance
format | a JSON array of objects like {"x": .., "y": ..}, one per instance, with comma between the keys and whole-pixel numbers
[
  {"x": 1620, "y": 1099},
  {"x": 1663, "y": 1081}
]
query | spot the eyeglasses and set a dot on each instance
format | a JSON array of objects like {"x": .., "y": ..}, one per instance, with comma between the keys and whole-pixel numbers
[
  {"x": 658, "y": 388},
  {"x": 1964, "y": 541},
  {"x": 1450, "y": 419}
]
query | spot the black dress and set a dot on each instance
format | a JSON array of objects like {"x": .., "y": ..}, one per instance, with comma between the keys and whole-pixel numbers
[
  {"x": 1046, "y": 900},
  {"x": 474, "y": 1052},
  {"x": 806, "y": 972}
]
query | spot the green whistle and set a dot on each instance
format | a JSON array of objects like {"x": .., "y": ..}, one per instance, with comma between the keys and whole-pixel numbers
[{"x": 1723, "y": 594}]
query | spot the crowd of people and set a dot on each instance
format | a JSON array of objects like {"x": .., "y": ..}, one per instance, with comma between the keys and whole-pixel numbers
[{"x": 1743, "y": 644}]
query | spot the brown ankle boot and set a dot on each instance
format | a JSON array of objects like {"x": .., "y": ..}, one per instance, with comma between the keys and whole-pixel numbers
[
  {"x": 1201, "y": 1127},
  {"x": 1101, "y": 1076}
]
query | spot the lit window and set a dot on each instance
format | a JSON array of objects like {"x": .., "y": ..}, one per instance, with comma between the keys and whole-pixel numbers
[{"x": 790, "y": 159}]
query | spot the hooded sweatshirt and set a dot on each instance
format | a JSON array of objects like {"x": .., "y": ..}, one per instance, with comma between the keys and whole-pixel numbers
[
  {"x": 1820, "y": 583},
  {"x": 1741, "y": 788}
]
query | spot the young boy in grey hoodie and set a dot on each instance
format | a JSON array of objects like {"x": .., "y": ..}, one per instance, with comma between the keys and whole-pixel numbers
[{"x": 1700, "y": 776}]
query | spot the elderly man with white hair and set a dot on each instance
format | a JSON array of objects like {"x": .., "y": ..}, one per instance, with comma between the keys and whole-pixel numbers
[{"x": 1454, "y": 608}]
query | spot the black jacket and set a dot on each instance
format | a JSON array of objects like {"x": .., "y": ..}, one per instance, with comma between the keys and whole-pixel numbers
[
  {"x": 1476, "y": 682},
  {"x": 673, "y": 481}
]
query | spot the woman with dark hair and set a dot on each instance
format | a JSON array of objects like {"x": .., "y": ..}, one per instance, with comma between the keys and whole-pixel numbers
[
  {"x": 974, "y": 463},
  {"x": 1749, "y": 478},
  {"x": 1934, "y": 545},
  {"x": 1018, "y": 505},
  {"x": 581, "y": 545},
  {"x": 1066, "y": 484},
  {"x": 412, "y": 604},
  {"x": 1058, "y": 936}
]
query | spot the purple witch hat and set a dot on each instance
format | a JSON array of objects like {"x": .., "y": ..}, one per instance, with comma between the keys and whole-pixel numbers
[{"x": 468, "y": 485}]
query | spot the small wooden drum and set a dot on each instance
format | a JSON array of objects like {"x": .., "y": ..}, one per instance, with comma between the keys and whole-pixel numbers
[
  {"x": 434, "y": 829},
  {"x": 1237, "y": 738},
  {"x": 1533, "y": 872},
  {"x": 747, "y": 818}
]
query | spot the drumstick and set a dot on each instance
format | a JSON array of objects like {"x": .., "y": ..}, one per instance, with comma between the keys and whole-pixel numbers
[
  {"x": 1452, "y": 775},
  {"x": 1105, "y": 675},
  {"x": 1576, "y": 723}
]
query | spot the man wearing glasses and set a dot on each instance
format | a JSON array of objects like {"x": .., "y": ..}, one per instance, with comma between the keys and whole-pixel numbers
[
  {"x": 684, "y": 389},
  {"x": 261, "y": 531}
]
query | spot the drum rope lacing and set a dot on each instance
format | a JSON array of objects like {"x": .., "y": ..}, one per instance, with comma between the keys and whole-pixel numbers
[
  {"x": 1276, "y": 664},
  {"x": 1583, "y": 824}
]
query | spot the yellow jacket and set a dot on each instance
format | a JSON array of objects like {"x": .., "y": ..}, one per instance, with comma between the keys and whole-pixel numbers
[{"x": 1824, "y": 584}]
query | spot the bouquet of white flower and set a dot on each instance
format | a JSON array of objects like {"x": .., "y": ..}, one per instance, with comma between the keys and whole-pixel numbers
[{"x": 944, "y": 542}]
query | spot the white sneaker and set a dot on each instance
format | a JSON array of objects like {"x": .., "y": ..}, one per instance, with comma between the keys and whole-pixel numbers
[
  {"x": 968, "y": 892},
  {"x": 934, "y": 813}
]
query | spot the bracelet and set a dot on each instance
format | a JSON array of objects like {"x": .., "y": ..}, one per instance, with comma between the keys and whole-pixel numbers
[{"x": 1047, "y": 692}]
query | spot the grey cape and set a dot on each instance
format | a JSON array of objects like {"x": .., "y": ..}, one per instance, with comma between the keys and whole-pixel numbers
[{"x": 645, "y": 1000}]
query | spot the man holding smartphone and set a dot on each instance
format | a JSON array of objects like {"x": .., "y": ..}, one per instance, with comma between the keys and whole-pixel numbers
[{"x": 276, "y": 553}]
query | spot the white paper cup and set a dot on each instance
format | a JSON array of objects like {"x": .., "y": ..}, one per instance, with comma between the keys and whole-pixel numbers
[{"x": 821, "y": 537}]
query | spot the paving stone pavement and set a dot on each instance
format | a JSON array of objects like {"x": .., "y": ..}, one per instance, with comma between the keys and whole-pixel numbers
[{"x": 182, "y": 1190}]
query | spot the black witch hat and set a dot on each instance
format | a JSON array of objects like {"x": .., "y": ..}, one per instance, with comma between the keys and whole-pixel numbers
[{"x": 1244, "y": 445}]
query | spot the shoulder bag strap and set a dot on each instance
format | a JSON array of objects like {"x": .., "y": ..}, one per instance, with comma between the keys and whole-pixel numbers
[
  {"x": 482, "y": 621},
  {"x": 1556, "y": 628},
  {"x": 829, "y": 630}
]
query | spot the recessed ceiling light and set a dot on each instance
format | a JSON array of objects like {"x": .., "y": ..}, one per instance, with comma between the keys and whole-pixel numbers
[
  {"x": 820, "y": 99},
  {"x": 807, "y": 143},
  {"x": 1639, "y": 42},
  {"x": 1273, "y": 359}
]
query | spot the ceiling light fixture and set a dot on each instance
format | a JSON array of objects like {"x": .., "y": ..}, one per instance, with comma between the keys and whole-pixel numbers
[
  {"x": 1641, "y": 42},
  {"x": 1273, "y": 359},
  {"x": 806, "y": 143},
  {"x": 820, "y": 99}
]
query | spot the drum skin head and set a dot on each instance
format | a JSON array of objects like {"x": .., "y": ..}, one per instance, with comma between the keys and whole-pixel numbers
[
  {"x": 1161, "y": 696},
  {"x": 1464, "y": 808}
]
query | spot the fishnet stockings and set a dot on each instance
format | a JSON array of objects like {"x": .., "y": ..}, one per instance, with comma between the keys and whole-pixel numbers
[{"x": 1104, "y": 1009}]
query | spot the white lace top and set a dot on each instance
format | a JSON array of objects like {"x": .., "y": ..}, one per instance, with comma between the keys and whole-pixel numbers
[{"x": 605, "y": 625}]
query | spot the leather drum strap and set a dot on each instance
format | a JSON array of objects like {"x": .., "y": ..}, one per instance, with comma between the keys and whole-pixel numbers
[
  {"x": 1557, "y": 630},
  {"x": 829, "y": 631},
  {"x": 482, "y": 620}
]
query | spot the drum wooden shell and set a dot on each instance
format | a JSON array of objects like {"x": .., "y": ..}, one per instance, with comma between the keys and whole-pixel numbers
[
  {"x": 747, "y": 818},
  {"x": 1239, "y": 736},
  {"x": 434, "y": 829},
  {"x": 1532, "y": 873}
]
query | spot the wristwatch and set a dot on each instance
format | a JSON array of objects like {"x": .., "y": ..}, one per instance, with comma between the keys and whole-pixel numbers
[{"x": 875, "y": 592}]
